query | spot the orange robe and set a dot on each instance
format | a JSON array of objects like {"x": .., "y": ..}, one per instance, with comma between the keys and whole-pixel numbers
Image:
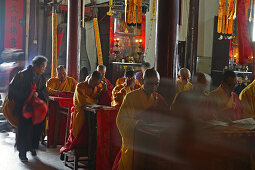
[
  {"x": 222, "y": 107},
  {"x": 183, "y": 87},
  {"x": 68, "y": 85},
  {"x": 122, "y": 81},
  {"x": 119, "y": 92},
  {"x": 134, "y": 104}
]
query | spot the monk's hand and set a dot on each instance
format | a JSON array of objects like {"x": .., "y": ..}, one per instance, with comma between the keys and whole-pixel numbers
[
  {"x": 104, "y": 86},
  {"x": 35, "y": 94}
]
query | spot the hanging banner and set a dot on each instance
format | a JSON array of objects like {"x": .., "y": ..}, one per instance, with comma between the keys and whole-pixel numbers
[
  {"x": 54, "y": 45},
  {"x": 98, "y": 42},
  {"x": 243, "y": 33},
  {"x": 154, "y": 8},
  {"x": 13, "y": 30}
]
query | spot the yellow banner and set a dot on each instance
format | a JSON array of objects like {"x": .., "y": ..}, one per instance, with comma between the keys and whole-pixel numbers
[
  {"x": 154, "y": 8},
  {"x": 54, "y": 45},
  {"x": 98, "y": 42}
]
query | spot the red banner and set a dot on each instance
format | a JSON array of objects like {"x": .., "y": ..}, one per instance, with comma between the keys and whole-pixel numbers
[
  {"x": 243, "y": 33},
  {"x": 13, "y": 30}
]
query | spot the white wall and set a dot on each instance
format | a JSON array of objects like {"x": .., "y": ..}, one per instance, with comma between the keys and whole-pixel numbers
[
  {"x": 91, "y": 44},
  {"x": 150, "y": 37}
]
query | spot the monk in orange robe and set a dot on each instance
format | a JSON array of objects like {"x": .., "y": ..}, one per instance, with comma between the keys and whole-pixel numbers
[
  {"x": 61, "y": 83},
  {"x": 223, "y": 103},
  {"x": 122, "y": 80},
  {"x": 129, "y": 117},
  {"x": 183, "y": 83},
  {"x": 85, "y": 93},
  {"x": 120, "y": 91}
]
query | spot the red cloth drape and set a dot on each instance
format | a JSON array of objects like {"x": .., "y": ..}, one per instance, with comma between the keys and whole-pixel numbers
[
  {"x": 108, "y": 139},
  {"x": 53, "y": 106},
  {"x": 243, "y": 33},
  {"x": 60, "y": 37}
]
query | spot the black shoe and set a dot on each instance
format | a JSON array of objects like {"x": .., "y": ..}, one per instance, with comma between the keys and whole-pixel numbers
[
  {"x": 23, "y": 157},
  {"x": 33, "y": 152}
]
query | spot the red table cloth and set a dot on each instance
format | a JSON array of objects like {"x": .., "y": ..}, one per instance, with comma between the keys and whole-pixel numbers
[{"x": 54, "y": 103}]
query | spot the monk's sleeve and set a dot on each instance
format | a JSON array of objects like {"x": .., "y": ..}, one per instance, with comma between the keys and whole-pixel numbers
[
  {"x": 118, "y": 94},
  {"x": 81, "y": 98},
  {"x": 73, "y": 85},
  {"x": 245, "y": 99},
  {"x": 125, "y": 119},
  {"x": 50, "y": 86}
]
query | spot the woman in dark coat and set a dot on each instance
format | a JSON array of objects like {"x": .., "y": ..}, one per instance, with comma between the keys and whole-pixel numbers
[{"x": 28, "y": 135}]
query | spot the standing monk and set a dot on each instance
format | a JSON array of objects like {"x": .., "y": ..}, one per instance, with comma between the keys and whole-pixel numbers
[
  {"x": 28, "y": 135},
  {"x": 61, "y": 83},
  {"x": 134, "y": 104}
]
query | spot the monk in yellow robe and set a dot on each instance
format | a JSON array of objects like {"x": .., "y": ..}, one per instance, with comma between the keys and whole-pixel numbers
[
  {"x": 120, "y": 91},
  {"x": 61, "y": 83},
  {"x": 134, "y": 104},
  {"x": 85, "y": 93},
  {"x": 223, "y": 103},
  {"x": 122, "y": 80},
  {"x": 183, "y": 83},
  {"x": 248, "y": 100}
]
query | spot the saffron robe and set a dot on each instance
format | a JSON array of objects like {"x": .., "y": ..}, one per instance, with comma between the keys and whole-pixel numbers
[
  {"x": 183, "y": 87},
  {"x": 122, "y": 81},
  {"x": 119, "y": 92},
  {"x": 68, "y": 85},
  {"x": 134, "y": 104},
  {"x": 248, "y": 100},
  {"x": 222, "y": 107}
]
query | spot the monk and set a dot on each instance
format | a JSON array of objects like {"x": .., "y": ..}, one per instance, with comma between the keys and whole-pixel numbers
[
  {"x": 85, "y": 93},
  {"x": 122, "y": 80},
  {"x": 105, "y": 98},
  {"x": 224, "y": 104},
  {"x": 61, "y": 83},
  {"x": 134, "y": 104},
  {"x": 248, "y": 100},
  {"x": 120, "y": 91},
  {"x": 183, "y": 82},
  {"x": 139, "y": 75}
]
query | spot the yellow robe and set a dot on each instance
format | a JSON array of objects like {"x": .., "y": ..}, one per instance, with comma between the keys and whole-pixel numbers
[
  {"x": 182, "y": 87},
  {"x": 118, "y": 94},
  {"x": 83, "y": 95},
  {"x": 247, "y": 97},
  {"x": 134, "y": 103},
  {"x": 122, "y": 81},
  {"x": 68, "y": 85},
  {"x": 220, "y": 102}
]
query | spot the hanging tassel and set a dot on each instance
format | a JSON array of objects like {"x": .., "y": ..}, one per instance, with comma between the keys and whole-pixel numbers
[
  {"x": 224, "y": 16},
  {"x": 220, "y": 16},
  {"x": 130, "y": 11},
  {"x": 139, "y": 11},
  {"x": 230, "y": 17},
  {"x": 134, "y": 12}
]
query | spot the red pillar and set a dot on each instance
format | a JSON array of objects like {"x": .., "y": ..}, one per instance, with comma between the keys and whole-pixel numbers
[
  {"x": 166, "y": 38},
  {"x": 73, "y": 39}
]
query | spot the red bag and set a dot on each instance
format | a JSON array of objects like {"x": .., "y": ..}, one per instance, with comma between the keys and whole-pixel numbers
[{"x": 34, "y": 107}]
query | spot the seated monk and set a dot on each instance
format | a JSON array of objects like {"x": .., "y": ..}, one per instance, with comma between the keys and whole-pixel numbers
[
  {"x": 183, "y": 83},
  {"x": 120, "y": 91},
  {"x": 61, "y": 83},
  {"x": 85, "y": 93},
  {"x": 105, "y": 98},
  {"x": 248, "y": 100},
  {"x": 122, "y": 80},
  {"x": 134, "y": 104},
  {"x": 223, "y": 103},
  {"x": 139, "y": 75}
]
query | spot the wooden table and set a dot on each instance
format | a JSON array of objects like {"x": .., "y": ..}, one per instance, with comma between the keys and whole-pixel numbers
[
  {"x": 59, "y": 109},
  {"x": 104, "y": 139},
  {"x": 170, "y": 145}
]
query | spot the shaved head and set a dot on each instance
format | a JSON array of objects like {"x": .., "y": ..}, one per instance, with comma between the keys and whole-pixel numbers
[{"x": 151, "y": 81}]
